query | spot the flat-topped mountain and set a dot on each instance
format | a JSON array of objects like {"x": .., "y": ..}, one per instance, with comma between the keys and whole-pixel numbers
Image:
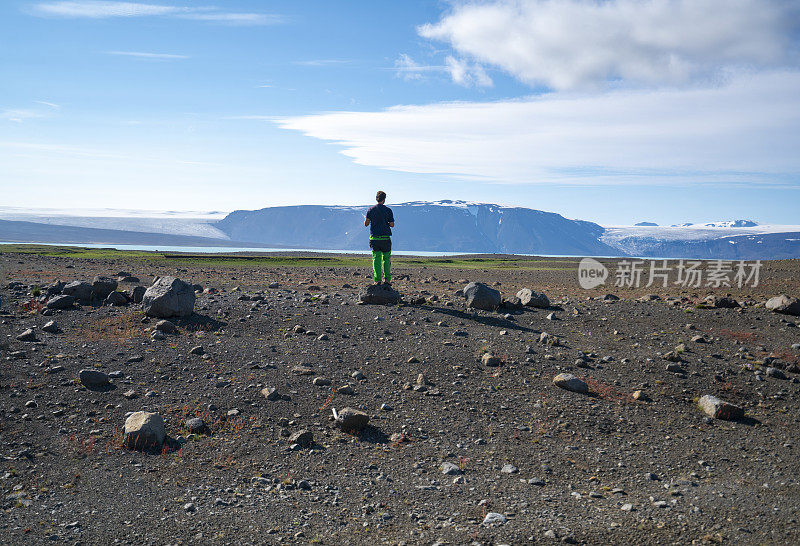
[{"x": 454, "y": 226}]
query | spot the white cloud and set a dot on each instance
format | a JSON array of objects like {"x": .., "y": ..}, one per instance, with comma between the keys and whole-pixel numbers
[
  {"x": 323, "y": 62},
  {"x": 467, "y": 74},
  {"x": 460, "y": 71},
  {"x": 88, "y": 8},
  {"x": 143, "y": 55},
  {"x": 568, "y": 44},
  {"x": 747, "y": 130},
  {"x": 407, "y": 68},
  {"x": 19, "y": 115},
  {"x": 101, "y": 10}
]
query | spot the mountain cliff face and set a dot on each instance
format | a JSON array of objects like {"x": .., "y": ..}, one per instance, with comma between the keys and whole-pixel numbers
[{"x": 446, "y": 226}]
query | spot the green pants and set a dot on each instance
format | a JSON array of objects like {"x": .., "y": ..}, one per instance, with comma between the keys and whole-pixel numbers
[{"x": 381, "y": 260}]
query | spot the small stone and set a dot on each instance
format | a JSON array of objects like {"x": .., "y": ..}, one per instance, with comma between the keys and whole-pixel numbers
[
  {"x": 195, "y": 425},
  {"x": 143, "y": 431},
  {"x": 627, "y": 507},
  {"x": 571, "y": 383},
  {"x": 271, "y": 393},
  {"x": 640, "y": 396},
  {"x": 27, "y": 335},
  {"x": 166, "y": 327},
  {"x": 321, "y": 382},
  {"x": 490, "y": 360},
  {"x": 93, "y": 378},
  {"x": 509, "y": 469},
  {"x": 449, "y": 469},
  {"x": 776, "y": 373},
  {"x": 197, "y": 350},
  {"x": 351, "y": 419},
  {"x": 50, "y": 327},
  {"x": 61, "y": 302},
  {"x": 717, "y": 409},
  {"x": 302, "y": 437},
  {"x": 494, "y": 518},
  {"x": 346, "y": 390}
]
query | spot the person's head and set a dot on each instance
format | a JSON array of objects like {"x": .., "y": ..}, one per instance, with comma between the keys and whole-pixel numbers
[{"x": 380, "y": 197}]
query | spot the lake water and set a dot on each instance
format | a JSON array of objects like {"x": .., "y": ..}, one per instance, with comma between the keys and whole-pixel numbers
[{"x": 228, "y": 250}]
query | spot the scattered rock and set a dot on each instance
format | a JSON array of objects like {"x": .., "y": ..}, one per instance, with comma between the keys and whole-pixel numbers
[
  {"x": 776, "y": 373},
  {"x": 509, "y": 469},
  {"x": 721, "y": 302},
  {"x": 449, "y": 469},
  {"x": 61, "y": 302},
  {"x": 103, "y": 286},
  {"x": 784, "y": 304},
  {"x": 137, "y": 294},
  {"x": 302, "y": 437},
  {"x": 169, "y": 297},
  {"x": 93, "y": 379},
  {"x": 640, "y": 396},
  {"x": 50, "y": 327},
  {"x": 351, "y": 419},
  {"x": 717, "y": 409},
  {"x": 271, "y": 393},
  {"x": 488, "y": 359},
  {"x": 569, "y": 382},
  {"x": 166, "y": 327},
  {"x": 81, "y": 291},
  {"x": 144, "y": 431},
  {"x": 116, "y": 299},
  {"x": 529, "y": 298},
  {"x": 480, "y": 296},
  {"x": 494, "y": 518},
  {"x": 196, "y": 425},
  {"x": 197, "y": 350},
  {"x": 27, "y": 335}
]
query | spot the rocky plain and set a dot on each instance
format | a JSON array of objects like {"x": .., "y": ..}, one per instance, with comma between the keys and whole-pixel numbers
[{"x": 147, "y": 400}]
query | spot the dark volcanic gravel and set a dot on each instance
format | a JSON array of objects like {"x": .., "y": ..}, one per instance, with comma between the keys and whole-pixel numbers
[{"x": 469, "y": 441}]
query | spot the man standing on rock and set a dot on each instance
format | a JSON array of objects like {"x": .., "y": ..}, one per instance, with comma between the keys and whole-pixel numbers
[{"x": 380, "y": 221}]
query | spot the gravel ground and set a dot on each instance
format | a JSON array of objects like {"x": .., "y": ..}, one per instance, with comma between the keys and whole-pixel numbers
[{"x": 472, "y": 452}]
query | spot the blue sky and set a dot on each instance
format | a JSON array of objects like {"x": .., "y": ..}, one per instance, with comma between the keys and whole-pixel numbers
[{"x": 615, "y": 112}]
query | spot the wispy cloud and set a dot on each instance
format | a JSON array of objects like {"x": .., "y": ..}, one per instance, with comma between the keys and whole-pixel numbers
[
  {"x": 254, "y": 117},
  {"x": 50, "y": 104},
  {"x": 407, "y": 68},
  {"x": 323, "y": 62},
  {"x": 94, "y": 9},
  {"x": 462, "y": 72},
  {"x": 19, "y": 115},
  {"x": 744, "y": 130},
  {"x": 143, "y": 55}
]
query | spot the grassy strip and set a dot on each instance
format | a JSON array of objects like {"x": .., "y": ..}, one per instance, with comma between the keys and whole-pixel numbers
[{"x": 288, "y": 260}]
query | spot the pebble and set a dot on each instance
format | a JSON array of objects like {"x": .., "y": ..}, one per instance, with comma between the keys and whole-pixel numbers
[
  {"x": 449, "y": 469},
  {"x": 494, "y": 518},
  {"x": 569, "y": 382}
]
